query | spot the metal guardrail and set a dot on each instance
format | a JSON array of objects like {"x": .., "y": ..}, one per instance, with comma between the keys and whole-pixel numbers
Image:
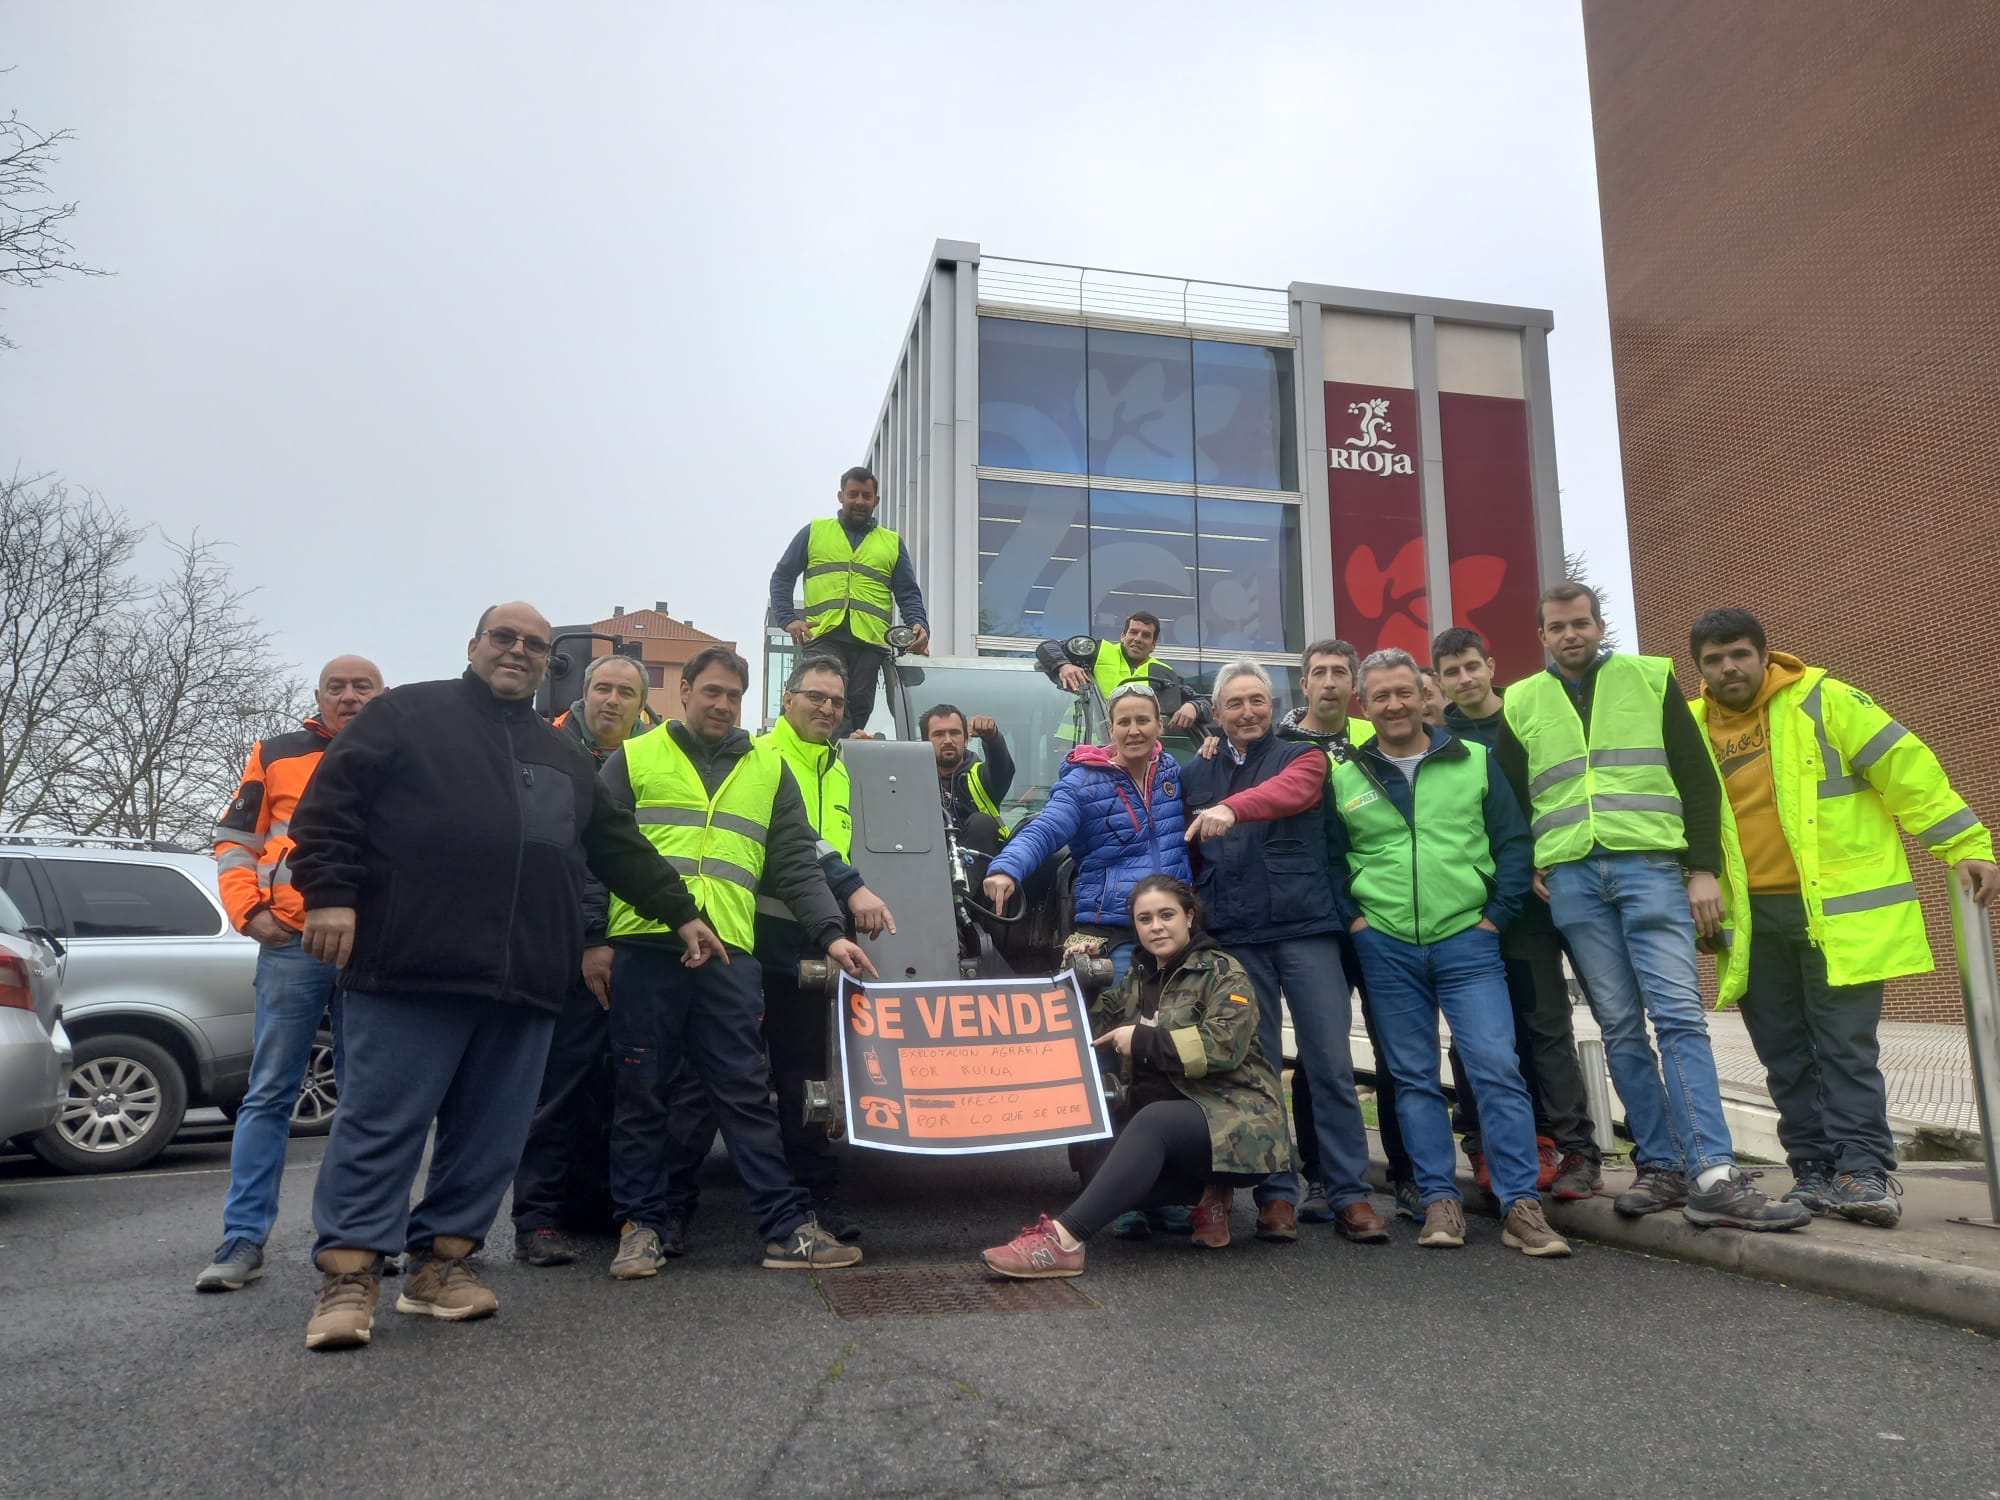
[
  {"x": 1978, "y": 978},
  {"x": 1091, "y": 292}
]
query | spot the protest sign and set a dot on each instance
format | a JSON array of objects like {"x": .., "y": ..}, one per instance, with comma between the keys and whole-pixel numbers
[{"x": 969, "y": 1066}]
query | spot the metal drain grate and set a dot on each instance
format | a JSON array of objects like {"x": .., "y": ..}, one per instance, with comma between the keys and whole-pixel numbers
[{"x": 938, "y": 1291}]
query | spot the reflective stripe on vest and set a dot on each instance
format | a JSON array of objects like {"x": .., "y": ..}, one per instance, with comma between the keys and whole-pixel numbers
[
  {"x": 1430, "y": 882},
  {"x": 717, "y": 844},
  {"x": 845, "y": 582},
  {"x": 1612, "y": 789}
]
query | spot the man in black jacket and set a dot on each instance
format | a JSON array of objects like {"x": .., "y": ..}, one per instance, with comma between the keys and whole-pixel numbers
[{"x": 441, "y": 854}]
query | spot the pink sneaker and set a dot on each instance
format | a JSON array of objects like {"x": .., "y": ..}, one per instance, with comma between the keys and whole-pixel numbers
[{"x": 1034, "y": 1253}]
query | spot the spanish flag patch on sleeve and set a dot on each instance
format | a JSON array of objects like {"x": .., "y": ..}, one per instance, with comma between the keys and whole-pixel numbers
[{"x": 1239, "y": 999}]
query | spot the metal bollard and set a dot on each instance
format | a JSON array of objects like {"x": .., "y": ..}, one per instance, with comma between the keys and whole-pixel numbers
[
  {"x": 1972, "y": 936},
  {"x": 1597, "y": 1086}
]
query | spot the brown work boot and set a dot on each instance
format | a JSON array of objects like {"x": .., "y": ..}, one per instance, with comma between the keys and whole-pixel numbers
[
  {"x": 1359, "y": 1222},
  {"x": 344, "y": 1315},
  {"x": 1278, "y": 1221},
  {"x": 1526, "y": 1229},
  {"x": 1209, "y": 1226},
  {"x": 444, "y": 1285},
  {"x": 1444, "y": 1225}
]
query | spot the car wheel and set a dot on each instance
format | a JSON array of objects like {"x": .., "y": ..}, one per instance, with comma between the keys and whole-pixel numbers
[
  {"x": 319, "y": 1096},
  {"x": 126, "y": 1099}
]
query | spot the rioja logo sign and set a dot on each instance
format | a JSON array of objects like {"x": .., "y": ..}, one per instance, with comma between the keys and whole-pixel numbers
[{"x": 1371, "y": 451}]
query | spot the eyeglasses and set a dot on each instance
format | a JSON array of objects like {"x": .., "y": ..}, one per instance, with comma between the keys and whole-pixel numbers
[
  {"x": 821, "y": 700},
  {"x": 504, "y": 639}
]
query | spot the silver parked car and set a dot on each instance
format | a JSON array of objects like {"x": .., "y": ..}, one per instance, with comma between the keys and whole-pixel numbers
[
  {"x": 34, "y": 1049},
  {"x": 158, "y": 998}
]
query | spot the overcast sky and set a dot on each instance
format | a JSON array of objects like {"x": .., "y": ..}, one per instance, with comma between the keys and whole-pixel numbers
[{"x": 424, "y": 306}]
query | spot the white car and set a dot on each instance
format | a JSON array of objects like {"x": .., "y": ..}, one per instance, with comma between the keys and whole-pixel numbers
[{"x": 35, "y": 1053}]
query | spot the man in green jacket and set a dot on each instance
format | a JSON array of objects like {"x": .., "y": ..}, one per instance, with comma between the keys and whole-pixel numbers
[{"x": 1821, "y": 908}]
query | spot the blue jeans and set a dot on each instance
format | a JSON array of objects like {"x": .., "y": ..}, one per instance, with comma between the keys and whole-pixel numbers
[
  {"x": 662, "y": 1013},
  {"x": 1120, "y": 955},
  {"x": 1465, "y": 977},
  {"x": 294, "y": 993},
  {"x": 472, "y": 1064},
  {"x": 1631, "y": 937},
  {"x": 1307, "y": 972}
]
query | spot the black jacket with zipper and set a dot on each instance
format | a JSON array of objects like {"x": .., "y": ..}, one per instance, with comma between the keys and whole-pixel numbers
[{"x": 459, "y": 826}]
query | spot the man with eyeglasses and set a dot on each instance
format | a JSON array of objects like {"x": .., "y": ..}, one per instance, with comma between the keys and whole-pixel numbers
[{"x": 441, "y": 850}]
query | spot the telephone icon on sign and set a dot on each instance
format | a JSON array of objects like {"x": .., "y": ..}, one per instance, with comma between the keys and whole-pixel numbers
[{"x": 883, "y": 1114}]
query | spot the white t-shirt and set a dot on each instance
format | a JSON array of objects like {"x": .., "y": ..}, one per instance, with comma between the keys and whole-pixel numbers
[{"x": 1408, "y": 763}]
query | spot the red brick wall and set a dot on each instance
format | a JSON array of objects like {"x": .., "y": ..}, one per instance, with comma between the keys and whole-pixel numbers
[{"x": 1801, "y": 207}]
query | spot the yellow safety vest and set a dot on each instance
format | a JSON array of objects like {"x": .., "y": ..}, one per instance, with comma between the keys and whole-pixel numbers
[
  {"x": 717, "y": 844},
  {"x": 1107, "y": 671},
  {"x": 1842, "y": 773},
  {"x": 845, "y": 582},
  {"x": 822, "y": 782},
  {"x": 1613, "y": 788}
]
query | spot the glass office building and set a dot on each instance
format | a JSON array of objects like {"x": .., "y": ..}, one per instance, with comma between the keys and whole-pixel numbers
[{"x": 1258, "y": 467}]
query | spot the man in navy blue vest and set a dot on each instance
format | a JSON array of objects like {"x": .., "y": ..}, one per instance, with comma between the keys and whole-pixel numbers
[{"x": 1257, "y": 819}]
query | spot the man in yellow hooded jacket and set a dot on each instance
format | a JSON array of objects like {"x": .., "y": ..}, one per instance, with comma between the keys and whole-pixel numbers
[{"x": 1821, "y": 907}]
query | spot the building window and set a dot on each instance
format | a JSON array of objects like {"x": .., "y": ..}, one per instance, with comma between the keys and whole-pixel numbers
[
  {"x": 1245, "y": 428},
  {"x": 1031, "y": 396},
  {"x": 1034, "y": 574},
  {"x": 1142, "y": 556},
  {"x": 1141, "y": 406},
  {"x": 656, "y": 673},
  {"x": 1247, "y": 561}
]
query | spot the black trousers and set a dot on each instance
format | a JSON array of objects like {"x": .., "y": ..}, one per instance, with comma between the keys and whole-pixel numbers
[
  {"x": 1819, "y": 1044},
  {"x": 565, "y": 1167},
  {"x": 863, "y": 664},
  {"x": 1161, "y": 1155},
  {"x": 795, "y": 1037}
]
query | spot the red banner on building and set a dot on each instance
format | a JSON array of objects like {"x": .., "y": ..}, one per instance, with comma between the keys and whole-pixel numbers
[
  {"x": 980, "y": 1065},
  {"x": 1375, "y": 501},
  {"x": 1489, "y": 497}
]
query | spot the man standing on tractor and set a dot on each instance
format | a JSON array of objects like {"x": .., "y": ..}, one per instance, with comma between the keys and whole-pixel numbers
[{"x": 858, "y": 573}]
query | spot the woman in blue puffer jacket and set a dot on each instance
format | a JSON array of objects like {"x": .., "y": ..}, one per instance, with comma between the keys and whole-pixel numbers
[{"x": 1119, "y": 809}]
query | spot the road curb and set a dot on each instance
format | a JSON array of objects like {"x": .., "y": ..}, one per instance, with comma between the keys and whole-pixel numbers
[{"x": 1963, "y": 1296}]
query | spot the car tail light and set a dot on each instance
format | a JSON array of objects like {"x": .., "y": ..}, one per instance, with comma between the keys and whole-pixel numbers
[{"x": 14, "y": 983}]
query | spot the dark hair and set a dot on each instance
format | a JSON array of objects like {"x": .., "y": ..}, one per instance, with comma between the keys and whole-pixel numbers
[
  {"x": 1331, "y": 647},
  {"x": 1171, "y": 885},
  {"x": 1722, "y": 625},
  {"x": 812, "y": 664},
  {"x": 1456, "y": 641},
  {"x": 1564, "y": 591},
  {"x": 1144, "y": 617},
  {"x": 713, "y": 656},
  {"x": 860, "y": 475},
  {"x": 940, "y": 711}
]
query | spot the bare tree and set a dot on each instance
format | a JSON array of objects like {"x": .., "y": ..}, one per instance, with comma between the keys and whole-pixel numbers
[
  {"x": 34, "y": 242},
  {"x": 137, "y": 704},
  {"x": 63, "y": 579}
]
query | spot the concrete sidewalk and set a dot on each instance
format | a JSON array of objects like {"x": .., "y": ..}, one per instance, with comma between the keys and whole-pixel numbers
[{"x": 1938, "y": 1263}]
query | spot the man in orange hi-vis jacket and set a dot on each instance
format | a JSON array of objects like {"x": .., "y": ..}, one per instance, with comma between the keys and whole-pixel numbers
[{"x": 253, "y": 848}]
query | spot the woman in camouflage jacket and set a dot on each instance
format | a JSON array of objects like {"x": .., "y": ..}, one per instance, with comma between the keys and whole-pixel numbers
[{"x": 1202, "y": 1112}]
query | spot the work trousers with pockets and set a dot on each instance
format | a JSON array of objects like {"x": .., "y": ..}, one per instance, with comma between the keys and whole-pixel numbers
[
  {"x": 473, "y": 1065},
  {"x": 1818, "y": 1044},
  {"x": 863, "y": 664},
  {"x": 662, "y": 1014}
]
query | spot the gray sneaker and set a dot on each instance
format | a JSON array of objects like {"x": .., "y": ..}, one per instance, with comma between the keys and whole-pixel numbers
[
  {"x": 1733, "y": 1203},
  {"x": 639, "y": 1253},
  {"x": 1813, "y": 1186},
  {"x": 809, "y": 1248},
  {"x": 1867, "y": 1198},
  {"x": 1315, "y": 1207},
  {"x": 236, "y": 1265},
  {"x": 1409, "y": 1200},
  {"x": 1653, "y": 1189}
]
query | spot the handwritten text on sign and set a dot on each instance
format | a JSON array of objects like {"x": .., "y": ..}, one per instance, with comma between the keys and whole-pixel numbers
[{"x": 983, "y": 1065}]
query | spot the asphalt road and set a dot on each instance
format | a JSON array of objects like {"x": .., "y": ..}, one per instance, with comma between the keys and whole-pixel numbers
[{"x": 1321, "y": 1369}]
